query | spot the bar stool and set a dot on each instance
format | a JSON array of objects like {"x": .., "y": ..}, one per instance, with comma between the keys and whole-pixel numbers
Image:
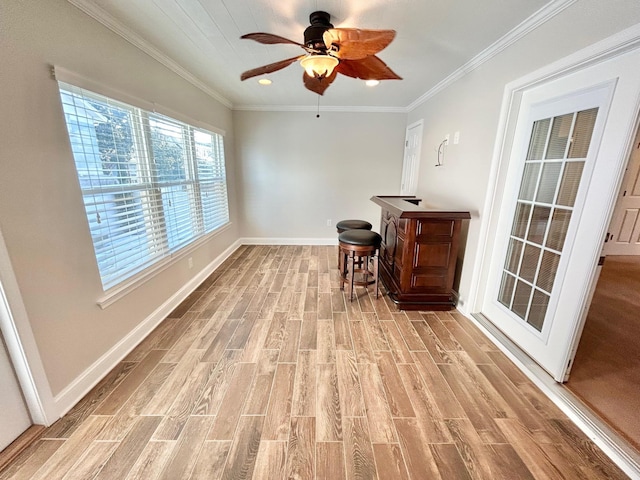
[
  {"x": 344, "y": 225},
  {"x": 363, "y": 245}
]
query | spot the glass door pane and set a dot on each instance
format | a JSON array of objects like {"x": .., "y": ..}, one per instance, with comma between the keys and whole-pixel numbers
[{"x": 553, "y": 169}]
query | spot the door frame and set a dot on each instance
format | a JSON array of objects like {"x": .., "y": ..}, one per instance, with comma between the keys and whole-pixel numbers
[
  {"x": 22, "y": 347},
  {"x": 610, "y": 48},
  {"x": 565, "y": 99}
]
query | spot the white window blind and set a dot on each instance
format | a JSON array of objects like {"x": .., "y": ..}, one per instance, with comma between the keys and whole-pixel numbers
[{"x": 151, "y": 184}]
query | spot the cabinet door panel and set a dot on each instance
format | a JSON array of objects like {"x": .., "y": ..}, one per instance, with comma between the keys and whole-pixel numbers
[
  {"x": 432, "y": 255},
  {"x": 388, "y": 234},
  {"x": 435, "y": 228},
  {"x": 398, "y": 263},
  {"x": 402, "y": 226},
  {"x": 435, "y": 282}
]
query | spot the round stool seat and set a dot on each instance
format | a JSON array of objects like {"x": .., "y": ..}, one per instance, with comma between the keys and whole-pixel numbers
[
  {"x": 343, "y": 225},
  {"x": 360, "y": 238}
]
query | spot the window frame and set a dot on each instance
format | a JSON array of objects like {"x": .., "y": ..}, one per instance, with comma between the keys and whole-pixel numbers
[{"x": 120, "y": 284}]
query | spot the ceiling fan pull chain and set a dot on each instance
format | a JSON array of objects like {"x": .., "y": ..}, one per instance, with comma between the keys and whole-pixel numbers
[{"x": 318, "y": 111}]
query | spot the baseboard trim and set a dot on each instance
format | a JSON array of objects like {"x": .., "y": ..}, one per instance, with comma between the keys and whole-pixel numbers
[
  {"x": 288, "y": 241},
  {"x": 610, "y": 442},
  {"x": 19, "y": 445},
  {"x": 79, "y": 387}
]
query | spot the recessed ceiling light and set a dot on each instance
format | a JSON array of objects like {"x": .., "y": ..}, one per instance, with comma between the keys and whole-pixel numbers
[
  {"x": 372, "y": 83},
  {"x": 264, "y": 81}
]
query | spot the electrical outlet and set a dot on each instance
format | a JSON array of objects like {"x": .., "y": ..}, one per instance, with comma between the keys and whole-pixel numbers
[
  {"x": 328, "y": 222},
  {"x": 446, "y": 139},
  {"x": 190, "y": 262},
  {"x": 456, "y": 138}
]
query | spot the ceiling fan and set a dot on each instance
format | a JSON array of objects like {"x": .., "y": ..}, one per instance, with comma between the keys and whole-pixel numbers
[{"x": 349, "y": 51}]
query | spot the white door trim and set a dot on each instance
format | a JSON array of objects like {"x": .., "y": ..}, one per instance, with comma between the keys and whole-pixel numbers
[
  {"x": 22, "y": 347},
  {"x": 611, "y": 47}
]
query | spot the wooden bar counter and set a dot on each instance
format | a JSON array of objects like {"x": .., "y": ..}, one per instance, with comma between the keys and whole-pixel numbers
[{"x": 419, "y": 252}]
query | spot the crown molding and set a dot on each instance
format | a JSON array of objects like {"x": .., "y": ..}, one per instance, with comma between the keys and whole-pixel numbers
[
  {"x": 314, "y": 108},
  {"x": 136, "y": 40},
  {"x": 542, "y": 16}
]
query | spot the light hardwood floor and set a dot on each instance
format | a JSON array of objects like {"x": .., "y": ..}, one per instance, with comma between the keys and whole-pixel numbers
[{"x": 266, "y": 372}]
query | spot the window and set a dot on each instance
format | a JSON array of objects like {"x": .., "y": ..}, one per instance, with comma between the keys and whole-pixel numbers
[{"x": 151, "y": 184}]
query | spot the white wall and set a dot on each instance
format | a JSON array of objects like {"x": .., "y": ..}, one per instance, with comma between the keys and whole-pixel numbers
[
  {"x": 472, "y": 106},
  {"x": 41, "y": 212},
  {"x": 296, "y": 171}
]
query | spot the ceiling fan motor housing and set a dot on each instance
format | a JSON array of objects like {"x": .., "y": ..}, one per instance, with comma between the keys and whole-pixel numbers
[{"x": 320, "y": 23}]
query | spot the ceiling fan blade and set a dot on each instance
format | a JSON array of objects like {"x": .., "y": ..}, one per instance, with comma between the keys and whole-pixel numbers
[
  {"x": 369, "y": 68},
  {"x": 269, "y": 38},
  {"x": 354, "y": 43},
  {"x": 272, "y": 67},
  {"x": 318, "y": 84}
]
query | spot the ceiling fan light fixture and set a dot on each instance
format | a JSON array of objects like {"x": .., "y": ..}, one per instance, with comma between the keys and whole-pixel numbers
[
  {"x": 319, "y": 65},
  {"x": 372, "y": 83},
  {"x": 265, "y": 81}
]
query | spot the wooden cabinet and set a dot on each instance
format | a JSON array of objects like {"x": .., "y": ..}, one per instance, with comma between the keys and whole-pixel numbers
[{"x": 419, "y": 253}]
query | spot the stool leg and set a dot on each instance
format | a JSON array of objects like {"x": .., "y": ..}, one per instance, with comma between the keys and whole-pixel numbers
[
  {"x": 352, "y": 273},
  {"x": 365, "y": 271},
  {"x": 375, "y": 272},
  {"x": 343, "y": 267}
]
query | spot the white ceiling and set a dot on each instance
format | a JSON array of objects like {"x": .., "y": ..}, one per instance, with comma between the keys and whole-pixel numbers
[{"x": 200, "y": 39}]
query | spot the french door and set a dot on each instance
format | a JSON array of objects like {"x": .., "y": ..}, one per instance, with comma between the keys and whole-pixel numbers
[{"x": 556, "y": 147}]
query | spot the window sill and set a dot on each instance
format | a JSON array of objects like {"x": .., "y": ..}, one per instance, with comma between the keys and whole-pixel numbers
[{"x": 125, "y": 288}]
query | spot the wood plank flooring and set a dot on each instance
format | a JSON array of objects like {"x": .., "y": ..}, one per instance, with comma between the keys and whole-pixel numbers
[{"x": 266, "y": 372}]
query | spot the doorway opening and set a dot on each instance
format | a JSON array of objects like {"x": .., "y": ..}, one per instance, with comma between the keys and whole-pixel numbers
[
  {"x": 411, "y": 162},
  {"x": 606, "y": 370}
]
